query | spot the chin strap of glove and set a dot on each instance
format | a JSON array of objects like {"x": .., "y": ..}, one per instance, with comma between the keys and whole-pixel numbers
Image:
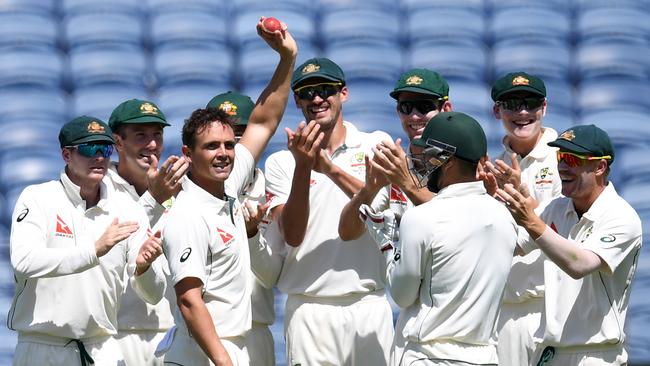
[{"x": 382, "y": 226}]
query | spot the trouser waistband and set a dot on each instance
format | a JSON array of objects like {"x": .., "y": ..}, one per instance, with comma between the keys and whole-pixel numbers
[
  {"x": 338, "y": 300},
  {"x": 84, "y": 356}
]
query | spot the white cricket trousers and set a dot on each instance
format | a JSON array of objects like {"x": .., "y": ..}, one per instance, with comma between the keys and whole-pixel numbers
[
  {"x": 184, "y": 351},
  {"x": 260, "y": 346},
  {"x": 138, "y": 347},
  {"x": 45, "y": 350},
  {"x": 516, "y": 326},
  {"x": 353, "y": 330}
]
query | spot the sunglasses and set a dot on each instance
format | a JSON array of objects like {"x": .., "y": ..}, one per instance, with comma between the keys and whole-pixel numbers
[
  {"x": 517, "y": 104},
  {"x": 423, "y": 106},
  {"x": 90, "y": 150},
  {"x": 324, "y": 91},
  {"x": 574, "y": 160}
]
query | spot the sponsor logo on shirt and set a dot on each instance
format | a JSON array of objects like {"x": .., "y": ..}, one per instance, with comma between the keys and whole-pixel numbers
[
  {"x": 62, "y": 229},
  {"x": 186, "y": 254},
  {"x": 22, "y": 215},
  {"x": 225, "y": 236},
  {"x": 608, "y": 238},
  {"x": 396, "y": 194}
]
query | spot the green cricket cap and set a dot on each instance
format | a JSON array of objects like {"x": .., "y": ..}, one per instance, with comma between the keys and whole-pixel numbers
[
  {"x": 422, "y": 81},
  {"x": 585, "y": 140},
  {"x": 456, "y": 129},
  {"x": 238, "y": 106},
  {"x": 137, "y": 111},
  {"x": 317, "y": 68},
  {"x": 85, "y": 129},
  {"x": 518, "y": 81}
]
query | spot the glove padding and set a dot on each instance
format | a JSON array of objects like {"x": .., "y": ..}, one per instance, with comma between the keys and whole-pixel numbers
[{"x": 382, "y": 226}]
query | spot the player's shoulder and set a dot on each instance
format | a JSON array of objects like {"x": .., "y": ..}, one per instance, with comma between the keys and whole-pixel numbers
[{"x": 278, "y": 159}]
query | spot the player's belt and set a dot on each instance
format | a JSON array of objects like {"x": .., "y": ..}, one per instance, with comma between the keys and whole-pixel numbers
[{"x": 83, "y": 354}]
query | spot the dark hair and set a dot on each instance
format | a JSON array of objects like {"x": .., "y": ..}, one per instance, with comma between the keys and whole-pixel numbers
[{"x": 200, "y": 120}]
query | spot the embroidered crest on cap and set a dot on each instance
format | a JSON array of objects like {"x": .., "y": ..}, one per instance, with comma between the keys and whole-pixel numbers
[
  {"x": 567, "y": 135},
  {"x": 229, "y": 108},
  {"x": 309, "y": 68},
  {"x": 520, "y": 80},
  {"x": 95, "y": 127},
  {"x": 414, "y": 80},
  {"x": 148, "y": 108}
]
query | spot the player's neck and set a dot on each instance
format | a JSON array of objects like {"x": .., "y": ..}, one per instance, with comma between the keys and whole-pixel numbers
[
  {"x": 523, "y": 147},
  {"x": 138, "y": 179},
  {"x": 335, "y": 137}
]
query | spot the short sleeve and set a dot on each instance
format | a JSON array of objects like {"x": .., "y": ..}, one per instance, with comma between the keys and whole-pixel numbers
[
  {"x": 615, "y": 240},
  {"x": 186, "y": 243},
  {"x": 278, "y": 179}
]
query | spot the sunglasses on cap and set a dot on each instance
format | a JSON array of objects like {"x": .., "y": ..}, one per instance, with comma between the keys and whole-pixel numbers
[
  {"x": 423, "y": 106},
  {"x": 323, "y": 90},
  {"x": 90, "y": 150},
  {"x": 573, "y": 160},
  {"x": 517, "y": 104}
]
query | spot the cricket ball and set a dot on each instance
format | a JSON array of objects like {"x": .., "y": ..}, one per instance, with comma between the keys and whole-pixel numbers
[{"x": 271, "y": 25}]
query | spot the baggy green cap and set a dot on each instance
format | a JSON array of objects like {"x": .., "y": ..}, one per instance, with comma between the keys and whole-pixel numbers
[
  {"x": 518, "y": 81},
  {"x": 456, "y": 129},
  {"x": 85, "y": 129},
  {"x": 422, "y": 81},
  {"x": 136, "y": 111},
  {"x": 318, "y": 67},
  {"x": 236, "y": 105},
  {"x": 585, "y": 140}
]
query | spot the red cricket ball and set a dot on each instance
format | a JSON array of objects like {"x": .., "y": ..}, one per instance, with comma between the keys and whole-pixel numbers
[{"x": 271, "y": 25}]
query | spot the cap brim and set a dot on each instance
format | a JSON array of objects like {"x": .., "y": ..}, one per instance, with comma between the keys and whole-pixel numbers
[
  {"x": 146, "y": 119},
  {"x": 300, "y": 80},
  {"x": 525, "y": 88},
  {"x": 569, "y": 146},
  {"x": 94, "y": 138},
  {"x": 412, "y": 89}
]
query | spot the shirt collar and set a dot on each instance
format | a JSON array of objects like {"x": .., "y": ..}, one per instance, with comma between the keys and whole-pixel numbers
[
  {"x": 201, "y": 195},
  {"x": 462, "y": 189},
  {"x": 602, "y": 204},
  {"x": 73, "y": 192},
  {"x": 120, "y": 182},
  {"x": 541, "y": 149},
  {"x": 352, "y": 135}
]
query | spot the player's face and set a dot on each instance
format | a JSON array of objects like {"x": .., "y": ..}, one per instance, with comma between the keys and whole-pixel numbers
[
  {"x": 325, "y": 105},
  {"x": 578, "y": 182},
  {"x": 83, "y": 170},
  {"x": 521, "y": 115},
  {"x": 415, "y": 110},
  {"x": 213, "y": 154},
  {"x": 140, "y": 141}
]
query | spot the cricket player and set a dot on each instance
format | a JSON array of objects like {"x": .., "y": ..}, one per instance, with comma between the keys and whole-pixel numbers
[
  {"x": 455, "y": 252},
  {"x": 520, "y": 103},
  {"x": 592, "y": 239},
  {"x": 259, "y": 340},
  {"x": 205, "y": 236},
  {"x": 138, "y": 126},
  {"x": 336, "y": 312},
  {"x": 72, "y": 240}
]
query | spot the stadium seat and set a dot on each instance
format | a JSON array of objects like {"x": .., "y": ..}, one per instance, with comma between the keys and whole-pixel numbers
[
  {"x": 558, "y": 121},
  {"x": 357, "y": 25},
  {"x": 530, "y": 25},
  {"x": 369, "y": 98},
  {"x": 559, "y": 96},
  {"x": 625, "y": 127},
  {"x": 42, "y": 7},
  {"x": 368, "y": 60},
  {"x": 40, "y": 67},
  {"x": 257, "y": 63},
  {"x": 22, "y": 167},
  {"x": 179, "y": 101},
  {"x": 633, "y": 166},
  {"x": 613, "y": 60},
  {"x": 77, "y": 7},
  {"x": 34, "y": 134},
  {"x": 96, "y": 66},
  {"x": 102, "y": 30},
  {"x": 471, "y": 97},
  {"x": 606, "y": 94},
  {"x": 99, "y": 101},
  {"x": 612, "y": 23},
  {"x": 389, "y": 6},
  {"x": 411, "y": 6},
  {"x": 458, "y": 26},
  {"x": 557, "y": 5},
  {"x": 172, "y": 6},
  {"x": 27, "y": 104},
  {"x": 188, "y": 28},
  {"x": 196, "y": 64},
  {"x": 453, "y": 61},
  {"x": 299, "y": 23},
  {"x": 28, "y": 30},
  {"x": 550, "y": 62}
]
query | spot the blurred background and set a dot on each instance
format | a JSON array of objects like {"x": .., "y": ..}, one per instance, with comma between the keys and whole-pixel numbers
[{"x": 64, "y": 58}]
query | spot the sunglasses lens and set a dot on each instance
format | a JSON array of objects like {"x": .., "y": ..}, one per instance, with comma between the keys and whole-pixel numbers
[
  {"x": 323, "y": 91},
  {"x": 517, "y": 104},
  {"x": 405, "y": 107},
  {"x": 571, "y": 160},
  {"x": 422, "y": 106},
  {"x": 90, "y": 150}
]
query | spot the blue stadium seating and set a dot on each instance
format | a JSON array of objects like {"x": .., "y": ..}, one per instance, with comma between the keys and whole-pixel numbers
[
  {"x": 41, "y": 67},
  {"x": 102, "y": 30},
  {"x": 184, "y": 28},
  {"x": 367, "y": 60},
  {"x": 535, "y": 25},
  {"x": 558, "y": 121},
  {"x": 460, "y": 26},
  {"x": 257, "y": 62},
  {"x": 299, "y": 23},
  {"x": 359, "y": 25},
  {"x": 28, "y": 104},
  {"x": 29, "y": 135},
  {"x": 471, "y": 97},
  {"x": 99, "y": 101},
  {"x": 606, "y": 94},
  {"x": 196, "y": 64},
  {"x": 43, "y": 7},
  {"x": 453, "y": 61},
  {"x": 612, "y": 60},
  {"x": 411, "y": 6},
  {"x": 76, "y": 7},
  {"x": 22, "y": 167},
  {"x": 29, "y": 30},
  {"x": 548, "y": 61},
  {"x": 171, "y": 6},
  {"x": 389, "y": 6},
  {"x": 557, "y": 5},
  {"x": 614, "y": 22},
  {"x": 625, "y": 127},
  {"x": 632, "y": 165},
  {"x": 559, "y": 96},
  {"x": 97, "y": 66}
]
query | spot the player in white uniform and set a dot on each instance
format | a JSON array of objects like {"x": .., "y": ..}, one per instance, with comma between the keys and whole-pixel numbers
[
  {"x": 592, "y": 239},
  {"x": 72, "y": 241},
  {"x": 259, "y": 340},
  {"x": 520, "y": 103},
  {"x": 455, "y": 252},
  {"x": 420, "y": 95},
  {"x": 205, "y": 236},
  {"x": 336, "y": 312},
  {"x": 138, "y": 130}
]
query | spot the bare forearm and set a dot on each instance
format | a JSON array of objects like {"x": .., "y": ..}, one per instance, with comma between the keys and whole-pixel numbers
[
  {"x": 201, "y": 326},
  {"x": 350, "y": 224},
  {"x": 573, "y": 260},
  {"x": 417, "y": 195},
  {"x": 346, "y": 182},
  {"x": 295, "y": 214}
]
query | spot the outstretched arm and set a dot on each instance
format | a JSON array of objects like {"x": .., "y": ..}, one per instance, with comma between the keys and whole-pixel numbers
[{"x": 268, "y": 111}]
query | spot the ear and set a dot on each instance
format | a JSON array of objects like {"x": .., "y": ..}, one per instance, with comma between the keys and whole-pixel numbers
[
  {"x": 446, "y": 106},
  {"x": 344, "y": 93},
  {"x": 296, "y": 100},
  {"x": 601, "y": 168},
  {"x": 544, "y": 108},
  {"x": 496, "y": 111},
  {"x": 65, "y": 154},
  {"x": 119, "y": 145},
  {"x": 187, "y": 152}
]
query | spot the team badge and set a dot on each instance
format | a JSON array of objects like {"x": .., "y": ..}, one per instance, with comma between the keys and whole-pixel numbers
[
  {"x": 544, "y": 176},
  {"x": 95, "y": 127},
  {"x": 148, "y": 108},
  {"x": 520, "y": 80},
  {"x": 229, "y": 108},
  {"x": 414, "y": 80},
  {"x": 62, "y": 229},
  {"x": 309, "y": 68},
  {"x": 567, "y": 135}
]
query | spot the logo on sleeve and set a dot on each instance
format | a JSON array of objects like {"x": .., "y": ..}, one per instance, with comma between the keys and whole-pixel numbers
[
  {"x": 186, "y": 254},
  {"x": 62, "y": 229},
  {"x": 608, "y": 238},
  {"x": 225, "y": 237},
  {"x": 22, "y": 215}
]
